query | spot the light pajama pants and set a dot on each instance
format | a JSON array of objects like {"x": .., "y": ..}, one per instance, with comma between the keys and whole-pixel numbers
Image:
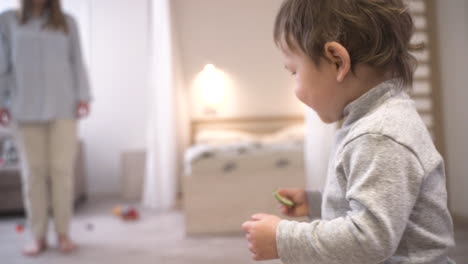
[{"x": 47, "y": 154}]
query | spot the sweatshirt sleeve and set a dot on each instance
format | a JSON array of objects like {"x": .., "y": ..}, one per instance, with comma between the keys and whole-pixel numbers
[
  {"x": 383, "y": 182},
  {"x": 80, "y": 75},
  {"x": 5, "y": 63}
]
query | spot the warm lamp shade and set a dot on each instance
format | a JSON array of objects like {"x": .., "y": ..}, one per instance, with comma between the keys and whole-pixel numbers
[{"x": 211, "y": 85}]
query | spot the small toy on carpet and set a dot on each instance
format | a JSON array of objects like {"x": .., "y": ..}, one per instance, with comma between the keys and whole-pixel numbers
[
  {"x": 19, "y": 228},
  {"x": 89, "y": 227},
  {"x": 127, "y": 213}
]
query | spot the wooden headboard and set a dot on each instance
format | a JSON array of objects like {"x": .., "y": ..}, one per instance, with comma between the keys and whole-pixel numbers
[{"x": 256, "y": 125}]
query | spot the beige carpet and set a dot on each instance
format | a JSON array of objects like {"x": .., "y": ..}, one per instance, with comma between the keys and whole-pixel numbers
[{"x": 156, "y": 238}]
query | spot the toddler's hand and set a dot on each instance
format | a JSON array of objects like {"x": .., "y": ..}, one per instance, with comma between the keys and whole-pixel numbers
[
  {"x": 261, "y": 234},
  {"x": 298, "y": 196}
]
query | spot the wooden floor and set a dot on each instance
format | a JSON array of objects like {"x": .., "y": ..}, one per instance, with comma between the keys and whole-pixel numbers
[{"x": 460, "y": 252}]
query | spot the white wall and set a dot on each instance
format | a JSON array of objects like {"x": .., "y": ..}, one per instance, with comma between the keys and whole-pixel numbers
[
  {"x": 236, "y": 36},
  {"x": 452, "y": 19},
  {"x": 319, "y": 143},
  {"x": 119, "y": 70}
]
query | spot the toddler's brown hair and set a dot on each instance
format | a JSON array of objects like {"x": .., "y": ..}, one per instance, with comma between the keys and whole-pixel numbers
[{"x": 375, "y": 32}]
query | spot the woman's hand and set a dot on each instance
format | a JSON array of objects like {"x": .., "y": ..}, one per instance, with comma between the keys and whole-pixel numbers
[
  {"x": 5, "y": 117},
  {"x": 298, "y": 196},
  {"x": 82, "y": 109}
]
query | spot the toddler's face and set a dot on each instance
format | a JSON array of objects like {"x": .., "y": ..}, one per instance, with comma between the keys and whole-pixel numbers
[{"x": 316, "y": 86}]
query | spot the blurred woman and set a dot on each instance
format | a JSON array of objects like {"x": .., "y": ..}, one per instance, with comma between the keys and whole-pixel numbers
[{"x": 44, "y": 90}]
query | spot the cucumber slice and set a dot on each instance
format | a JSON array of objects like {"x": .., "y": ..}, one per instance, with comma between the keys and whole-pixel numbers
[{"x": 283, "y": 199}]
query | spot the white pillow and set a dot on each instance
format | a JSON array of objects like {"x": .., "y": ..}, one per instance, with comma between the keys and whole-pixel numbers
[
  {"x": 223, "y": 136},
  {"x": 294, "y": 133}
]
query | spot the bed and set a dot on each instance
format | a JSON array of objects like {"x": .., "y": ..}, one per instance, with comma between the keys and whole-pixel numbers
[{"x": 233, "y": 167}]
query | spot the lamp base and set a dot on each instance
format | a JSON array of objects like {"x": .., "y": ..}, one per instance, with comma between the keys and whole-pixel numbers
[{"x": 210, "y": 112}]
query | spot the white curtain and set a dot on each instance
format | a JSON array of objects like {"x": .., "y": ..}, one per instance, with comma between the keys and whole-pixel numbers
[
  {"x": 167, "y": 132},
  {"x": 319, "y": 142}
]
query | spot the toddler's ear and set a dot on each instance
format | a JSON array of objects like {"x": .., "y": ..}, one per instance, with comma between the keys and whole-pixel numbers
[{"x": 339, "y": 56}]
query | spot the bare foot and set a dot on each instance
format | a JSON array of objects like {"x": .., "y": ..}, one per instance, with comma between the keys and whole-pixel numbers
[
  {"x": 35, "y": 248},
  {"x": 66, "y": 245}
]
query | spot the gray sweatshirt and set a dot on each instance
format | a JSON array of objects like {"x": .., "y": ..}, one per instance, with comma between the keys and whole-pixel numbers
[
  {"x": 42, "y": 76},
  {"x": 385, "y": 199}
]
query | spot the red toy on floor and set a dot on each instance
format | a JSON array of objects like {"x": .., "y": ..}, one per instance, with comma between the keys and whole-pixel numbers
[{"x": 128, "y": 213}]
